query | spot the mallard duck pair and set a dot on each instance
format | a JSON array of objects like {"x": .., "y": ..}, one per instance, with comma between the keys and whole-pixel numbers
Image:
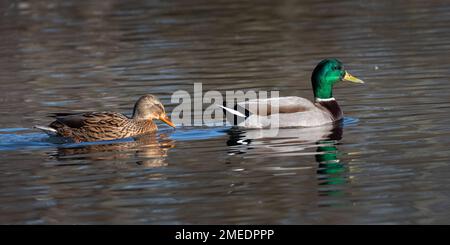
[{"x": 291, "y": 111}]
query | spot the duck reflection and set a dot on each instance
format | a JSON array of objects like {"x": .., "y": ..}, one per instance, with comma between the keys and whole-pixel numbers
[
  {"x": 331, "y": 172},
  {"x": 149, "y": 150}
]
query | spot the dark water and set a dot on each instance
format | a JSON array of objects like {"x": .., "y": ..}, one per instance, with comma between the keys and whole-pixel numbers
[{"x": 387, "y": 164}]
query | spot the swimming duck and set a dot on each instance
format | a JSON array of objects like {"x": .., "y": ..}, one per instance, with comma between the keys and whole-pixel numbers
[
  {"x": 295, "y": 111},
  {"x": 95, "y": 126}
]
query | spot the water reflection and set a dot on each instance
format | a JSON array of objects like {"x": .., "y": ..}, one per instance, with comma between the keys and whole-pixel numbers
[
  {"x": 331, "y": 172},
  {"x": 148, "y": 150},
  {"x": 95, "y": 55},
  {"x": 281, "y": 142}
]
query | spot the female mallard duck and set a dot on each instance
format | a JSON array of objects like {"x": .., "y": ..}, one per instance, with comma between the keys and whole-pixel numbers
[
  {"x": 296, "y": 111},
  {"x": 95, "y": 126}
]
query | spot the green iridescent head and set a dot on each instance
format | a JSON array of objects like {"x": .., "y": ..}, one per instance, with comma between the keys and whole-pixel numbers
[{"x": 326, "y": 74}]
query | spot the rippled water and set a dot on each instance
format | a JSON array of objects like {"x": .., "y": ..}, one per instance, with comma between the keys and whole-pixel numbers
[{"x": 388, "y": 163}]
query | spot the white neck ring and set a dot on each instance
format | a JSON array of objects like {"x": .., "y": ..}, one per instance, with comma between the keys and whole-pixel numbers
[{"x": 323, "y": 100}]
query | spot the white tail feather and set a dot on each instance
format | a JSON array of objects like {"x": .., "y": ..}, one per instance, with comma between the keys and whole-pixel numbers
[
  {"x": 234, "y": 112},
  {"x": 47, "y": 130}
]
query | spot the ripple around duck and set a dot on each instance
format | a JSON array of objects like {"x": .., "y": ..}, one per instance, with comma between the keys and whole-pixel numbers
[
  {"x": 28, "y": 141},
  {"x": 39, "y": 141}
]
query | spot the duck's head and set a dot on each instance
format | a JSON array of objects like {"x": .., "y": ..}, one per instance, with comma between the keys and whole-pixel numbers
[
  {"x": 148, "y": 107},
  {"x": 326, "y": 74}
]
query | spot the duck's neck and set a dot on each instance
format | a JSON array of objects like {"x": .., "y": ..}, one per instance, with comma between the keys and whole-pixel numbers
[
  {"x": 322, "y": 85},
  {"x": 322, "y": 90},
  {"x": 323, "y": 95}
]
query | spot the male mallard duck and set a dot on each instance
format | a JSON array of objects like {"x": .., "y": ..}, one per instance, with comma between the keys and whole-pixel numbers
[
  {"x": 296, "y": 111},
  {"x": 95, "y": 126}
]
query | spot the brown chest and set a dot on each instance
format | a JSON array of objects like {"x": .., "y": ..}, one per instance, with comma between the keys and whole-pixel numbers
[{"x": 333, "y": 108}]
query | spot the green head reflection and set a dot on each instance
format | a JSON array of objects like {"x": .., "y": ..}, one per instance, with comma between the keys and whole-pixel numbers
[{"x": 331, "y": 172}]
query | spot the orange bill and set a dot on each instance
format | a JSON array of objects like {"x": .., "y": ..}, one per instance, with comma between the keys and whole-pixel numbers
[{"x": 166, "y": 120}]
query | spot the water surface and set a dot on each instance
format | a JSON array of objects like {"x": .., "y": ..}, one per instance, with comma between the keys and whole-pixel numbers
[{"x": 388, "y": 163}]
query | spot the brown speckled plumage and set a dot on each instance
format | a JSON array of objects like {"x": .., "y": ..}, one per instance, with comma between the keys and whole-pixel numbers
[{"x": 96, "y": 126}]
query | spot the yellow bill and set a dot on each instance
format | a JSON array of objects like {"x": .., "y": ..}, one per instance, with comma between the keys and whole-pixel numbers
[
  {"x": 349, "y": 78},
  {"x": 166, "y": 120}
]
